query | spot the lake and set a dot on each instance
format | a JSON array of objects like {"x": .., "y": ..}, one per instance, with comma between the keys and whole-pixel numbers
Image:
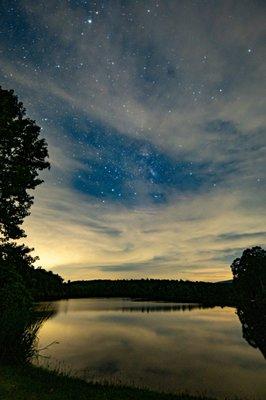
[{"x": 165, "y": 346}]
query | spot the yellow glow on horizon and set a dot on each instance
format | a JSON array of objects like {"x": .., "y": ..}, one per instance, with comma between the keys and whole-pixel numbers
[{"x": 185, "y": 240}]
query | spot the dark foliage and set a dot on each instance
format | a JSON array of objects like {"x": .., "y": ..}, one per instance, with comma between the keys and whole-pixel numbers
[
  {"x": 19, "y": 284},
  {"x": 22, "y": 155},
  {"x": 156, "y": 289},
  {"x": 15, "y": 309},
  {"x": 45, "y": 285},
  {"x": 249, "y": 273},
  {"x": 39, "y": 283}
]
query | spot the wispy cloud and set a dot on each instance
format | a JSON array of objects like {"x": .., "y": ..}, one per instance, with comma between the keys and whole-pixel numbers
[{"x": 167, "y": 104}]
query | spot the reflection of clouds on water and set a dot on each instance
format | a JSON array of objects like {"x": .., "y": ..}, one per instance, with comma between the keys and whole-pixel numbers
[
  {"x": 198, "y": 350},
  {"x": 106, "y": 367}
]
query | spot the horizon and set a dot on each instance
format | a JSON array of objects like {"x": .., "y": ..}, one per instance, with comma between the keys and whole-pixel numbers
[
  {"x": 154, "y": 114},
  {"x": 145, "y": 279}
]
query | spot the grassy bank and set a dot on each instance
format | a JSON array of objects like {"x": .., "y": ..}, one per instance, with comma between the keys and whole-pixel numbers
[{"x": 34, "y": 383}]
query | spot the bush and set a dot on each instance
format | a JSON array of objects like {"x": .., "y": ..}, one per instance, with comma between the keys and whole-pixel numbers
[{"x": 17, "y": 336}]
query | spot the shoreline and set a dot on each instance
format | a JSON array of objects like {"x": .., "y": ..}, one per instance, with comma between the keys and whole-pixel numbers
[
  {"x": 139, "y": 299},
  {"x": 32, "y": 382}
]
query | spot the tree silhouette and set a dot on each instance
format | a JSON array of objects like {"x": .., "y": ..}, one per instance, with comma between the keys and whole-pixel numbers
[
  {"x": 22, "y": 155},
  {"x": 249, "y": 273}
]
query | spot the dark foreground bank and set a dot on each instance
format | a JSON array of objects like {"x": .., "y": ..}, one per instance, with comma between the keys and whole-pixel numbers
[{"x": 35, "y": 383}]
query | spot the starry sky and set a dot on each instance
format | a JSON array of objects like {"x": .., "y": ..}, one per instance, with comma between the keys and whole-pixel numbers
[{"x": 154, "y": 114}]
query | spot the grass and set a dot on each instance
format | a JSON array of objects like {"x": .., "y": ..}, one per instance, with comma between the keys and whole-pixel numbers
[{"x": 36, "y": 383}]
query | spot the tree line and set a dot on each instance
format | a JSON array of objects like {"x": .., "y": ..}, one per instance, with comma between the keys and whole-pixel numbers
[
  {"x": 248, "y": 285},
  {"x": 156, "y": 289}
]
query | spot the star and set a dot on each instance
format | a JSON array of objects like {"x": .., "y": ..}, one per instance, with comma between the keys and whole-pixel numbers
[{"x": 145, "y": 107}]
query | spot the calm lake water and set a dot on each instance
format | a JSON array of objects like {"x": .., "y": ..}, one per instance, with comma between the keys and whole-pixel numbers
[{"x": 171, "y": 347}]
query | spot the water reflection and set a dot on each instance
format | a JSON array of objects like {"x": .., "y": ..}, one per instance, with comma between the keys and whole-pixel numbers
[
  {"x": 164, "y": 346},
  {"x": 253, "y": 320},
  {"x": 44, "y": 311},
  {"x": 162, "y": 308}
]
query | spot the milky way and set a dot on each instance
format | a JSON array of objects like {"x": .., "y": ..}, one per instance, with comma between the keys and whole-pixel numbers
[{"x": 154, "y": 114}]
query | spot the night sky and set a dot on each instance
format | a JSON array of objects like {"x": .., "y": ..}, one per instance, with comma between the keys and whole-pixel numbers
[{"x": 154, "y": 114}]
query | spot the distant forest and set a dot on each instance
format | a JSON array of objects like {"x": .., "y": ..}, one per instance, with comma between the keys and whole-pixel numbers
[
  {"x": 45, "y": 285},
  {"x": 155, "y": 289},
  {"x": 248, "y": 284}
]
